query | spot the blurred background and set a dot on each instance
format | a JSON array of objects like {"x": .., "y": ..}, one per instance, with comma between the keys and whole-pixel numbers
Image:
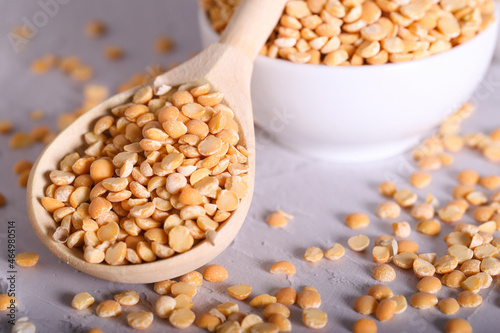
[{"x": 59, "y": 28}]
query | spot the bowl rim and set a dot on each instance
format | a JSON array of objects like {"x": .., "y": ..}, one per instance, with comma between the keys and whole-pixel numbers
[{"x": 204, "y": 24}]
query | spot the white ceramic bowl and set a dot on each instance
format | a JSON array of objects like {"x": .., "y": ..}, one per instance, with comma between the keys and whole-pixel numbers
[
  {"x": 497, "y": 52},
  {"x": 356, "y": 114}
]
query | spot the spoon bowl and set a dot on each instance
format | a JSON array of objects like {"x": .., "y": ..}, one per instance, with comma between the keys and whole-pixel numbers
[{"x": 227, "y": 66}]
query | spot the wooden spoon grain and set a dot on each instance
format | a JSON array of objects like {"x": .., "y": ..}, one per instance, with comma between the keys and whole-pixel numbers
[{"x": 227, "y": 66}]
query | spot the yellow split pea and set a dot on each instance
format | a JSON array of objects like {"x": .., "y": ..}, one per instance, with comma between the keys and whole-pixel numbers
[
  {"x": 194, "y": 277},
  {"x": 6, "y": 126},
  {"x": 423, "y": 211},
  {"x": 429, "y": 227},
  {"x": 457, "y": 325},
  {"x": 164, "y": 306},
  {"x": 283, "y": 267},
  {"x": 182, "y": 318},
  {"x": 95, "y": 29},
  {"x": 490, "y": 182},
  {"x": 401, "y": 303},
  {"x": 468, "y": 177},
  {"x": 163, "y": 44},
  {"x": 240, "y": 291},
  {"x": 420, "y": 179},
  {"x": 208, "y": 322},
  {"x": 405, "y": 259},
  {"x": 423, "y": 300},
  {"x": 286, "y": 296},
  {"x": 113, "y": 52},
  {"x": 380, "y": 291},
  {"x": 279, "y": 219},
  {"x": 430, "y": 284},
  {"x": 6, "y": 301},
  {"x": 430, "y": 257},
  {"x": 108, "y": 308},
  {"x": 453, "y": 279},
  {"x": 358, "y": 243},
  {"x": 313, "y": 254},
  {"x": 26, "y": 259},
  {"x": 262, "y": 300},
  {"x": 276, "y": 308},
  {"x": 468, "y": 299},
  {"x": 82, "y": 300},
  {"x": 357, "y": 220},
  {"x": 385, "y": 309},
  {"x": 448, "y": 306},
  {"x": 314, "y": 318},
  {"x": 446, "y": 264},
  {"x": 95, "y": 330},
  {"x": 128, "y": 297},
  {"x": 387, "y": 189},
  {"x": 381, "y": 254},
  {"x": 423, "y": 268},
  {"x": 365, "y": 305},
  {"x": 388, "y": 210},
  {"x": 250, "y": 321},
  {"x": 283, "y": 323},
  {"x": 384, "y": 273},
  {"x": 364, "y": 325},
  {"x": 140, "y": 320},
  {"x": 406, "y": 245},
  {"x": 215, "y": 273},
  {"x": 163, "y": 287},
  {"x": 185, "y": 288},
  {"x": 401, "y": 229},
  {"x": 405, "y": 198},
  {"x": 309, "y": 299}
]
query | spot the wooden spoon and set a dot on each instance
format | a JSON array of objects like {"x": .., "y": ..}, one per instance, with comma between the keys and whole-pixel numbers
[{"x": 227, "y": 66}]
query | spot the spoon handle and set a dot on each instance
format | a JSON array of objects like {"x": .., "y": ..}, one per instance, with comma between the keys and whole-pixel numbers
[{"x": 251, "y": 25}]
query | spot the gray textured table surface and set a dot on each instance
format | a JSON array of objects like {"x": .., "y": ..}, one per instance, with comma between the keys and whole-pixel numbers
[{"x": 318, "y": 194}]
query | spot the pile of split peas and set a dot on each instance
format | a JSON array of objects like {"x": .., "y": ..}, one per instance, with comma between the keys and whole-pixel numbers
[
  {"x": 162, "y": 173},
  {"x": 365, "y": 32},
  {"x": 158, "y": 175}
]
